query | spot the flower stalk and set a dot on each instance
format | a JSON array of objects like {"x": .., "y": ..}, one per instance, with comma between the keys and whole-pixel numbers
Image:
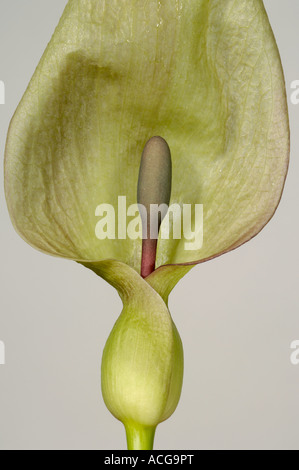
[{"x": 140, "y": 437}]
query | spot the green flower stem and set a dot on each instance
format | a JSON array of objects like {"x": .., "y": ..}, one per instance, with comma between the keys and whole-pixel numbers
[{"x": 140, "y": 437}]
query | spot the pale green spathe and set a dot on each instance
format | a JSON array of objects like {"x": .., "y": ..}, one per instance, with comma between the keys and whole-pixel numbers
[{"x": 205, "y": 75}]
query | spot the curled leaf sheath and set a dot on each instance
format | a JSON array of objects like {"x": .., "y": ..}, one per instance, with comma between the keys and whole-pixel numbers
[{"x": 142, "y": 364}]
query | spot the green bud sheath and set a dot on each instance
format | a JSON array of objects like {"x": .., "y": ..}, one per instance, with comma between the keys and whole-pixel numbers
[{"x": 142, "y": 365}]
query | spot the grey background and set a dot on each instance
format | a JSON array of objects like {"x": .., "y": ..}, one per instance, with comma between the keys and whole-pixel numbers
[{"x": 237, "y": 315}]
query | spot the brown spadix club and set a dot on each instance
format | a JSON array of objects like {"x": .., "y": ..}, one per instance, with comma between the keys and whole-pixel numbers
[{"x": 153, "y": 196}]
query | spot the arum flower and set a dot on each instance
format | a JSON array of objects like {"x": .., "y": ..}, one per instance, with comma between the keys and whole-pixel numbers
[{"x": 205, "y": 76}]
